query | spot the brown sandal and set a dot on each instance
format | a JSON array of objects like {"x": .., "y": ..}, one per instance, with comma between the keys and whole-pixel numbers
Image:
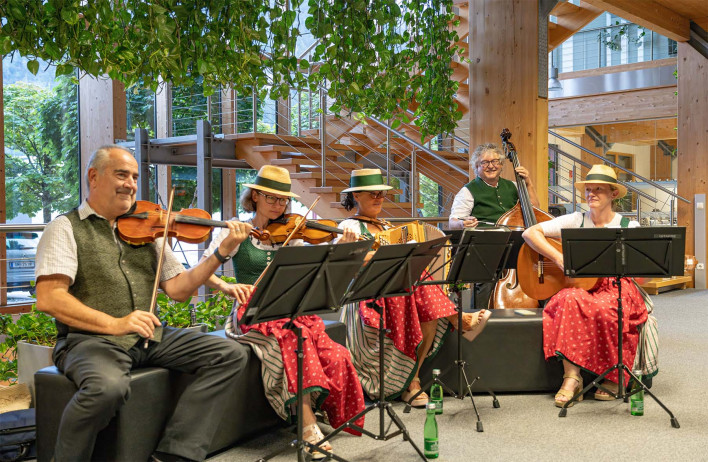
[{"x": 567, "y": 394}]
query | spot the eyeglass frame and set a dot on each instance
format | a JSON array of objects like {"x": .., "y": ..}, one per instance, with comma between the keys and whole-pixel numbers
[
  {"x": 487, "y": 163},
  {"x": 280, "y": 200},
  {"x": 375, "y": 194}
]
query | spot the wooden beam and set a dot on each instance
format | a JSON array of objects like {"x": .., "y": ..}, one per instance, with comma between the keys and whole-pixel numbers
[
  {"x": 650, "y": 14},
  {"x": 692, "y": 135},
  {"x": 570, "y": 19},
  {"x": 618, "y": 68},
  {"x": 644, "y": 104},
  {"x": 647, "y": 131}
]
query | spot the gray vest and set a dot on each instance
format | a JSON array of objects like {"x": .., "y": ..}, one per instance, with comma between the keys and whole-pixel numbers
[{"x": 113, "y": 277}]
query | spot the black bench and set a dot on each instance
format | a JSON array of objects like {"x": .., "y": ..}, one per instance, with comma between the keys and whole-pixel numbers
[{"x": 134, "y": 432}]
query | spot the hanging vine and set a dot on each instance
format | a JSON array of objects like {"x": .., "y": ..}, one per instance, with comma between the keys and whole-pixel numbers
[{"x": 377, "y": 57}]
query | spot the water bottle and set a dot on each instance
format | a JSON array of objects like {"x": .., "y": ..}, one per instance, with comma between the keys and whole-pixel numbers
[
  {"x": 436, "y": 393},
  {"x": 636, "y": 401},
  {"x": 430, "y": 433}
]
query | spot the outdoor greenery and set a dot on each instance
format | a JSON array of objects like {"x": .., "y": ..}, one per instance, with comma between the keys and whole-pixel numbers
[
  {"x": 41, "y": 140},
  {"x": 378, "y": 57}
]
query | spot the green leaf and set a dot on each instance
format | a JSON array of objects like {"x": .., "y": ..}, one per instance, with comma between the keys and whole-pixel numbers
[{"x": 33, "y": 66}]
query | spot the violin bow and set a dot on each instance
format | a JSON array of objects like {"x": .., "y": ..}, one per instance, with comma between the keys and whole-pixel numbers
[
  {"x": 156, "y": 285},
  {"x": 297, "y": 227}
]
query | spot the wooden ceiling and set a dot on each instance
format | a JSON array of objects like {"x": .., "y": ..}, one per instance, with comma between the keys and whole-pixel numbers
[{"x": 670, "y": 18}]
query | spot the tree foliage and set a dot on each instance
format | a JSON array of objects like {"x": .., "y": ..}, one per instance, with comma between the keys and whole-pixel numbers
[
  {"x": 41, "y": 135},
  {"x": 379, "y": 57}
]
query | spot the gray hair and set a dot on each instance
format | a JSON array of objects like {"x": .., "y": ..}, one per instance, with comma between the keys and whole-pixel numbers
[
  {"x": 483, "y": 148},
  {"x": 99, "y": 159}
]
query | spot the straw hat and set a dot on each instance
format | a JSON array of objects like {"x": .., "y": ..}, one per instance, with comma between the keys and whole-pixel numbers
[
  {"x": 274, "y": 180},
  {"x": 602, "y": 174},
  {"x": 367, "y": 179}
]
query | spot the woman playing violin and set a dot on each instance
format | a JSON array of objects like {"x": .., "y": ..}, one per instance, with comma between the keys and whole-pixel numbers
[
  {"x": 330, "y": 379},
  {"x": 417, "y": 322},
  {"x": 579, "y": 326}
]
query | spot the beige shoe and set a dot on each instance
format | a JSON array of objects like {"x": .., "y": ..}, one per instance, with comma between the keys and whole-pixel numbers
[
  {"x": 567, "y": 394},
  {"x": 476, "y": 328},
  {"x": 313, "y": 435},
  {"x": 420, "y": 401}
]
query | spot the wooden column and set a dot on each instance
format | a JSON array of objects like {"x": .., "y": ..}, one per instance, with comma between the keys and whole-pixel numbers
[
  {"x": 102, "y": 117},
  {"x": 504, "y": 83},
  {"x": 692, "y": 134}
]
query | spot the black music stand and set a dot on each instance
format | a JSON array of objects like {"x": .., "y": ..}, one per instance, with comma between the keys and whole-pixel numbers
[
  {"x": 618, "y": 253},
  {"x": 391, "y": 272},
  {"x": 480, "y": 256},
  {"x": 302, "y": 281}
]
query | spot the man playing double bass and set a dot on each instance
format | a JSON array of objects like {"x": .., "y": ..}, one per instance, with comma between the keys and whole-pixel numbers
[
  {"x": 99, "y": 290},
  {"x": 486, "y": 198}
]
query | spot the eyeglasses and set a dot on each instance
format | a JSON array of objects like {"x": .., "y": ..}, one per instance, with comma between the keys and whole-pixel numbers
[
  {"x": 376, "y": 194},
  {"x": 487, "y": 163},
  {"x": 272, "y": 199}
]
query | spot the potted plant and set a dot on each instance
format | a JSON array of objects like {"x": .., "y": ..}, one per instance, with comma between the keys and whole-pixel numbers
[
  {"x": 210, "y": 313},
  {"x": 27, "y": 346}
]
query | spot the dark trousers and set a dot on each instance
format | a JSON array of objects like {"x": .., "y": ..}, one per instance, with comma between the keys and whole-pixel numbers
[{"x": 101, "y": 371}]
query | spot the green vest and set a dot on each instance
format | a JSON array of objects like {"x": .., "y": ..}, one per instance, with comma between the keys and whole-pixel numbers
[
  {"x": 250, "y": 261},
  {"x": 112, "y": 277},
  {"x": 489, "y": 202}
]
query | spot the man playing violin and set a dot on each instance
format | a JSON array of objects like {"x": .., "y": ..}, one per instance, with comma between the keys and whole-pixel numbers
[
  {"x": 99, "y": 290},
  {"x": 486, "y": 198}
]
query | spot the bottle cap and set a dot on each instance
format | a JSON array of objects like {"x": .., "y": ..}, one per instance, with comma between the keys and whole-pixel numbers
[
  {"x": 430, "y": 406},
  {"x": 436, "y": 371}
]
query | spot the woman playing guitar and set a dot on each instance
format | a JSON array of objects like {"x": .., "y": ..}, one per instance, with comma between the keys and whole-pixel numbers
[{"x": 580, "y": 326}]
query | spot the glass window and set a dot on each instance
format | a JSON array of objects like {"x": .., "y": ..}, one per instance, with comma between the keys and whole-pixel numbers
[{"x": 41, "y": 168}]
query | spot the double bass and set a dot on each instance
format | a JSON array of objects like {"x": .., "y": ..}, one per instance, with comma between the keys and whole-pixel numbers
[{"x": 508, "y": 292}]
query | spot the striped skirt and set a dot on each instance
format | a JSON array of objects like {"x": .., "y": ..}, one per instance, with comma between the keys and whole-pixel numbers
[
  {"x": 402, "y": 317},
  {"x": 328, "y": 372}
]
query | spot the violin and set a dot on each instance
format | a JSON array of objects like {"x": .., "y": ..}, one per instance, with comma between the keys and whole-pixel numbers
[
  {"x": 313, "y": 231},
  {"x": 145, "y": 221}
]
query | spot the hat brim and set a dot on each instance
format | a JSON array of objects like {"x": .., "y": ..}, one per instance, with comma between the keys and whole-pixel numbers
[
  {"x": 270, "y": 190},
  {"x": 373, "y": 187},
  {"x": 580, "y": 186}
]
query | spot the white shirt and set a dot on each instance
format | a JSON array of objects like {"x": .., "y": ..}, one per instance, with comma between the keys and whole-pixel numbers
[
  {"x": 552, "y": 228},
  {"x": 56, "y": 250}
]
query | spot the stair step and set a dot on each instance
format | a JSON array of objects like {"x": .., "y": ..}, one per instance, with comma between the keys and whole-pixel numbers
[
  {"x": 330, "y": 152},
  {"x": 304, "y": 161}
]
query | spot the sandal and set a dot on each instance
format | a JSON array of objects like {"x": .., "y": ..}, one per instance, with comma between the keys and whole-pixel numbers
[
  {"x": 567, "y": 394},
  {"x": 313, "y": 435},
  {"x": 470, "y": 328},
  {"x": 602, "y": 395},
  {"x": 420, "y": 401}
]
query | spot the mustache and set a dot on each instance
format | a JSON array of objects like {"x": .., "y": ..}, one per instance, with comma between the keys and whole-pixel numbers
[{"x": 125, "y": 191}]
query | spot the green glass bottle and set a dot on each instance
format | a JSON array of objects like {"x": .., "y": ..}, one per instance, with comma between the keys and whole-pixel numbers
[
  {"x": 436, "y": 393},
  {"x": 430, "y": 433},
  {"x": 636, "y": 401}
]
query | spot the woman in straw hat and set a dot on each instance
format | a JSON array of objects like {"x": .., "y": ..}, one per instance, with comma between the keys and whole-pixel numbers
[
  {"x": 579, "y": 326},
  {"x": 417, "y": 323},
  {"x": 330, "y": 379}
]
